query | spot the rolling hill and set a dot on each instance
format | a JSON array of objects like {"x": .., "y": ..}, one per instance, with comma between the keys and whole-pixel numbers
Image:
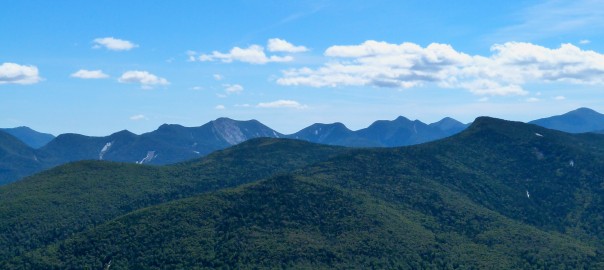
[
  {"x": 498, "y": 195},
  {"x": 59, "y": 202}
]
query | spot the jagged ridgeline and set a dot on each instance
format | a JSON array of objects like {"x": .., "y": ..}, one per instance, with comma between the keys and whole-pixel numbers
[{"x": 499, "y": 195}]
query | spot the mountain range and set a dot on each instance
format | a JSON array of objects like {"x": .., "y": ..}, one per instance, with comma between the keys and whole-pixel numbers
[
  {"x": 174, "y": 143},
  {"x": 497, "y": 195}
]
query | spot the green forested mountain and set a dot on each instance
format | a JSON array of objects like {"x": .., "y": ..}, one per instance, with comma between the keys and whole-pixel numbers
[
  {"x": 54, "y": 204},
  {"x": 499, "y": 195}
]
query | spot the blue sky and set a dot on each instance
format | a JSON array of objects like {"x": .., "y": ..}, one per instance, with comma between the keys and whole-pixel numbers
[{"x": 97, "y": 67}]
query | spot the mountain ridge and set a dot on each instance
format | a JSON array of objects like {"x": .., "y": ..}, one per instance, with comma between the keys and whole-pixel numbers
[
  {"x": 499, "y": 195},
  {"x": 171, "y": 143}
]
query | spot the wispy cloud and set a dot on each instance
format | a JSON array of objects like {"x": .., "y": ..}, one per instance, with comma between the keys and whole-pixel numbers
[
  {"x": 232, "y": 88},
  {"x": 113, "y": 44},
  {"x": 552, "y": 19},
  {"x": 407, "y": 65},
  {"x": 89, "y": 74},
  {"x": 18, "y": 74},
  {"x": 282, "y": 104},
  {"x": 144, "y": 78},
  {"x": 220, "y": 107}
]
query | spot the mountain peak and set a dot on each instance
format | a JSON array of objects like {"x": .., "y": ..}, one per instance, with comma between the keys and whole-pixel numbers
[
  {"x": 224, "y": 119},
  {"x": 584, "y": 110},
  {"x": 401, "y": 118}
]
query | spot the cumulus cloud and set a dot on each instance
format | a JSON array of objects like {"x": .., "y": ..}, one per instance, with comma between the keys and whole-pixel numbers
[
  {"x": 282, "y": 104},
  {"x": 220, "y": 107},
  {"x": 218, "y": 77},
  {"x": 18, "y": 74},
  {"x": 254, "y": 54},
  {"x": 232, "y": 88},
  {"x": 280, "y": 45},
  {"x": 406, "y": 65},
  {"x": 138, "y": 117},
  {"x": 89, "y": 74},
  {"x": 144, "y": 78},
  {"x": 113, "y": 44}
]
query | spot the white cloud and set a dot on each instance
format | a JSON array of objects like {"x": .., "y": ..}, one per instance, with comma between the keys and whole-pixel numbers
[
  {"x": 406, "y": 65},
  {"x": 138, "y": 117},
  {"x": 220, "y": 107},
  {"x": 232, "y": 88},
  {"x": 559, "y": 97},
  {"x": 89, "y": 74},
  {"x": 144, "y": 78},
  {"x": 18, "y": 74},
  {"x": 584, "y": 41},
  {"x": 532, "y": 99},
  {"x": 280, "y": 45},
  {"x": 218, "y": 77},
  {"x": 253, "y": 54},
  {"x": 113, "y": 44},
  {"x": 282, "y": 104},
  {"x": 245, "y": 105},
  {"x": 197, "y": 88}
]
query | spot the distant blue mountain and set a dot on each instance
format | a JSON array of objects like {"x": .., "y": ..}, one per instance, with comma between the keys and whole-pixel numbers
[
  {"x": 382, "y": 133},
  {"x": 30, "y": 137},
  {"x": 577, "y": 121},
  {"x": 16, "y": 159},
  {"x": 175, "y": 143}
]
